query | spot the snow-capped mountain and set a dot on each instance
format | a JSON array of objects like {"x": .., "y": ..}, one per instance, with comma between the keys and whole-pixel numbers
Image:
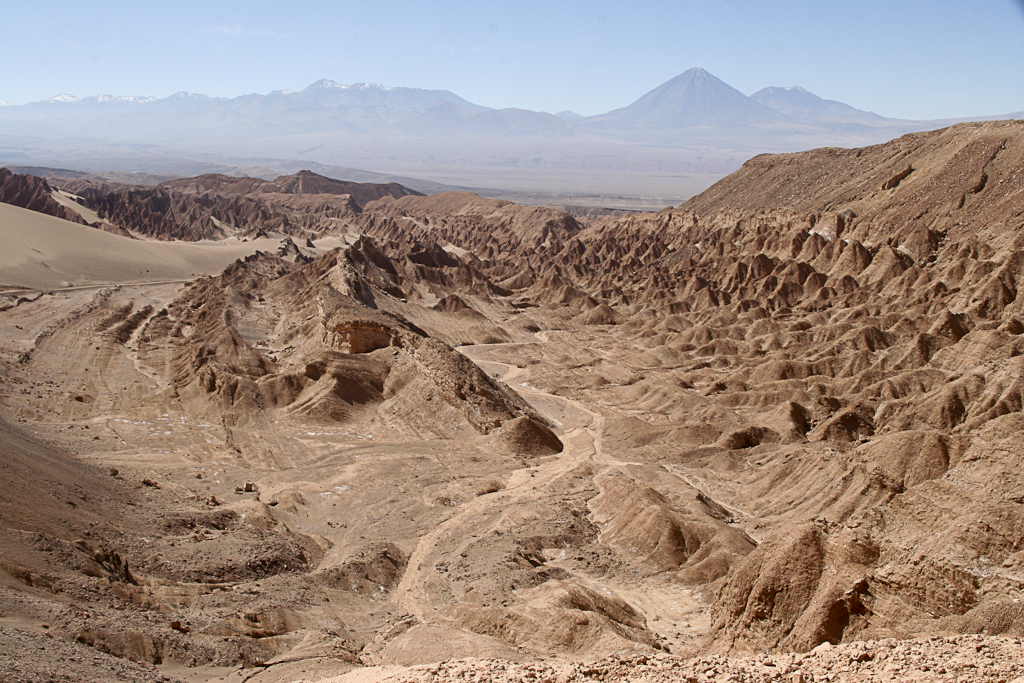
[
  {"x": 116, "y": 99},
  {"x": 328, "y": 84},
  {"x": 192, "y": 96},
  {"x": 326, "y": 92},
  {"x": 694, "y": 122}
]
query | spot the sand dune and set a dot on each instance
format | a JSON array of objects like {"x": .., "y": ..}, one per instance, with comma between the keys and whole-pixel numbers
[{"x": 43, "y": 252}]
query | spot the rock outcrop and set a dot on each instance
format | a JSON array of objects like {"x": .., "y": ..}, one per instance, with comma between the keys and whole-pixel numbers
[{"x": 33, "y": 193}]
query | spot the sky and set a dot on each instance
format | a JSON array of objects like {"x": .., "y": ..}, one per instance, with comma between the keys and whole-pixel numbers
[{"x": 912, "y": 59}]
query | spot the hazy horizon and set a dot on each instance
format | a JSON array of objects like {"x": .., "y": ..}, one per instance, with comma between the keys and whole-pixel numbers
[{"x": 912, "y": 61}]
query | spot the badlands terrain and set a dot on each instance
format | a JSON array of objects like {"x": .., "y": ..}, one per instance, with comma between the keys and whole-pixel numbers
[{"x": 313, "y": 430}]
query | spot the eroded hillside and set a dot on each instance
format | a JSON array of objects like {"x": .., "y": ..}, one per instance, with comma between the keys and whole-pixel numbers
[{"x": 784, "y": 414}]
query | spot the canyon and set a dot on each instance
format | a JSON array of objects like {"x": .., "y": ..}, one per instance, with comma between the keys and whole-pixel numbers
[{"x": 339, "y": 431}]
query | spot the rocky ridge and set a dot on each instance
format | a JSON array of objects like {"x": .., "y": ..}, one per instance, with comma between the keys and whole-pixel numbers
[
  {"x": 212, "y": 206},
  {"x": 34, "y": 193}
]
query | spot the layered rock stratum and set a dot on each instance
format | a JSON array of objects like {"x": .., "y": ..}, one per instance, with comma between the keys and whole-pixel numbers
[{"x": 771, "y": 434}]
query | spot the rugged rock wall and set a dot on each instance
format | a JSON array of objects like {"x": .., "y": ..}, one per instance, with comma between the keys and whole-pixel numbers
[
  {"x": 33, "y": 193},
  {"x": 215, "y": 206}
]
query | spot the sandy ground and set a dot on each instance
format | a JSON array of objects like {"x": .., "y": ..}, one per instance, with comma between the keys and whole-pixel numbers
[
  {"x": 42, "y": 252},
  {"x": 358, "y": 484}
]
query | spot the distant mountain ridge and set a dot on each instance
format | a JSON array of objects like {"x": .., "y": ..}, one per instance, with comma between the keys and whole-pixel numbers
[
  {"x": 324, "y": 91},
  {"x": 693, "y": 98},
  {"x": 693, "y": 124},
  {"x": 799, "y": 103}
]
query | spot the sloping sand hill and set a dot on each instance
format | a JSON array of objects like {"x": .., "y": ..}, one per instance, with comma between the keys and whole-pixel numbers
[{"x": 43, "y": 252}]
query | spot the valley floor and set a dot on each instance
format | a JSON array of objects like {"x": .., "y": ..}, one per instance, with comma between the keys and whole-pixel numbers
[{"x": 430, "y": 544}]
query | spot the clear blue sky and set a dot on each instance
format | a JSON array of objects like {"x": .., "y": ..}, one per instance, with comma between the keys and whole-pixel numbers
[{"x": 910, "y": 59}]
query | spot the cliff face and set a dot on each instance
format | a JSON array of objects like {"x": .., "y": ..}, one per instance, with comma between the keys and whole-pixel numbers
[
  {"x": 33, "y": 193},
  {"x": 213, "y": 206},
  {"x": 505, "y": 239},
  {"x": 309, "y": 206},
  {"x": 918, "y": 189},
  {"x": 164, "y": 213},
  {"x": 303, "y": 182}
]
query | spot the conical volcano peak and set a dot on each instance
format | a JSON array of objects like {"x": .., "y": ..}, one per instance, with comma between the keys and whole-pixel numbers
[
  {"x": 693, "y": 98},
  {"x": 696, "y": 77},
  {"x": 698, "y": 71}
]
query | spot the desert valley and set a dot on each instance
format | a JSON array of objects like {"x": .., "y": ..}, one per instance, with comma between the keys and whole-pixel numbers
[{"x": 306, "y": 429}]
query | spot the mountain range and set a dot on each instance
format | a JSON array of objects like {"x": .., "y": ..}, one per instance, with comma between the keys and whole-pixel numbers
[
  {"x": 694, "y": 125},
  {"x": 695, "y": 98}
]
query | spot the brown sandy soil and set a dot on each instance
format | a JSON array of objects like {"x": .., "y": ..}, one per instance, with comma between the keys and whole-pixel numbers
[
  {"x": 974, "y": 658},
  {"x": 44, "y": 252},
  {"x": 543, "y": 449}
]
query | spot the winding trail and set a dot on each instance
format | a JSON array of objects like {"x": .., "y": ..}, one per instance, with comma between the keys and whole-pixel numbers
[
  {"x": 583, "y": 441},
  {"x": 100, "y": 285}
]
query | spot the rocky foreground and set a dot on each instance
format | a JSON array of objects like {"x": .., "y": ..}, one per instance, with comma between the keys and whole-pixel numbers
[
  {"x": 29, "y": 656},
  {"x": 963, "y": 658}
]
